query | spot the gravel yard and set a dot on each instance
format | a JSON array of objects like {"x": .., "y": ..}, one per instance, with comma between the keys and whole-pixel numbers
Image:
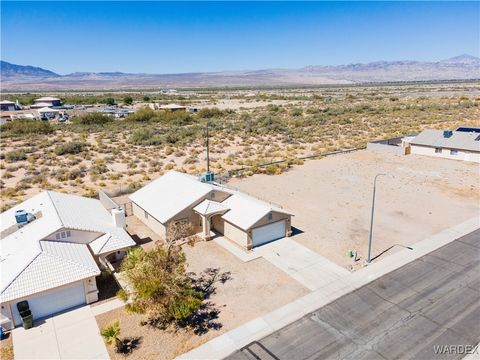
[
  {"x": 254, "y": 288},
  {"x": 331, "y": 199}
]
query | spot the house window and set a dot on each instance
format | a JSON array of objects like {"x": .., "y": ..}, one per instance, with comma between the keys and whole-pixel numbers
[
  {"x": 146, "y": 215},
  {"x": 453, "y": 152},
  {"x": 213, "y": 195},
  {"x": 438, "y": 150},
  {"x": 269, "y": 216},
  {"x": 63, "y": 235}
]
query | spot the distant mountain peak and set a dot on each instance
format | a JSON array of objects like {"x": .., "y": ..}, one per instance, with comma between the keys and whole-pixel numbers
[
  {"x": 462, "y": 59},
  {"x": 9, "y": 70},
  {"x": 462, "y": 67}
]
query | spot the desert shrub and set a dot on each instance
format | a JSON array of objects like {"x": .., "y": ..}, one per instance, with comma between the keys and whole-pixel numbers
[
  {"x": 143, "y": 114},
  {"x": 73, "y": 147},
  {"x": 297, "y": 112},
  {"x": 16, "y": 155},
  {"x": 92, "y": 119},
  {"x": 128, "y": 100},
  {"x": 144, "y": 137},
  {"x": 25, "y": 127},
  {"x": 272, "y": 108},
  {"x": 208, "y": 113}
]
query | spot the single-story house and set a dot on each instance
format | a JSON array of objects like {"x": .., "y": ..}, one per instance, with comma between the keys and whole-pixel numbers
[
  {"x": 173, "y": 107},
  {"x": 47, "y": 112},
  {"x": 209, "y": 207},
  {"x": 6, "y": 105},
  {"x": 458, "y": 145},
  {"x": 46, "y": 101},
  {"x": 52, "y": 260}
]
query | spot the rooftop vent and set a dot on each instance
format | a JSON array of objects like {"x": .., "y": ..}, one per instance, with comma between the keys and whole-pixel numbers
[
  {"x": 447, "y": 133},
  {"x": 207, "y": 177},
  {"x": 23, "y": 218}
]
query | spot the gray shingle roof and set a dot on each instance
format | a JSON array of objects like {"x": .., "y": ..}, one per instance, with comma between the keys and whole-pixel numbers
[{"x": 459, "y": 140}]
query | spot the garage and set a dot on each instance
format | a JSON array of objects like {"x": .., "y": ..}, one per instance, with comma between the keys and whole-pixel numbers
[
  {"x": 267, "y": 233},
  {"x": 52, "y": 302}
]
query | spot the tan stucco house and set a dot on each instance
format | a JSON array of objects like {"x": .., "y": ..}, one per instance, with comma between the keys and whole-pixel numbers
[
  {"x": 210, "y": 208},
  {"x": 52, "y": 260}
]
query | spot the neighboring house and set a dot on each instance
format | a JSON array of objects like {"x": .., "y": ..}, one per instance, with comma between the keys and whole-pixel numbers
[
  {"x": 458, "y": 145},
  {"x": 6, "y": 105},
  {"x": 46, "y": 102},
  {"x": 47, "y": 113},
  {"x": 173, "y": 107},
  {"x": 53, "y": 260},
  {"x": 207, "y": 206}
]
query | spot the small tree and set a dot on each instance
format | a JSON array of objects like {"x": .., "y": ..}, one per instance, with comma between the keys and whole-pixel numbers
[
  {"x": 111, "y": 335},
  {"x": 128, "y": 100},
  {"x": 161, "y": 288},
  {"x": 110, "y": 101},
  {"x": 146, "y": 98}
]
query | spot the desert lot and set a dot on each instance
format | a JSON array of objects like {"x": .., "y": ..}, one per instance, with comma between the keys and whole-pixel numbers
[
  {"x": 331, "y": 200},
  {"x": 253, "y": 289}
]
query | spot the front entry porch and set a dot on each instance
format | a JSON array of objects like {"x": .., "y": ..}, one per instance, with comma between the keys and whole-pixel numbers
[{"x": 207, "y": 209}]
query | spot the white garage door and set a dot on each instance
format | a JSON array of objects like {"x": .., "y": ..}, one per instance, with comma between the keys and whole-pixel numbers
[
  {"x": 267, "y": 233},
  {"x": 52, "y": 302}
]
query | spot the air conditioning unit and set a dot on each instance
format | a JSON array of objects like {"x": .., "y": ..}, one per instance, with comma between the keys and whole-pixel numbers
[
  {"x": 23, "y": 218},
  {"x": 447, "y": 133},
  {"x": 207, "y": 177}
]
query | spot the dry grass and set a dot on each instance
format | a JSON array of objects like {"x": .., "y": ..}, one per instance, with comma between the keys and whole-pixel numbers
[
  {"x": 273, "y": 125},
  {"x": 6, "y": 348}
]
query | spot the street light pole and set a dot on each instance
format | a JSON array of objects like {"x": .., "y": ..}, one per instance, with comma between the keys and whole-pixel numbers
[{"x": 369, "y": 258}]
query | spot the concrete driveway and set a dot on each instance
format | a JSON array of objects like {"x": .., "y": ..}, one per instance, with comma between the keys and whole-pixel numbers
[
  {"x": 70, "y": 335},
  {"x": 306, "y": 266}
]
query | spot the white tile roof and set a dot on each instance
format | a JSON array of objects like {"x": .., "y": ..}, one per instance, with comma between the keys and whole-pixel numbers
[
  {"x": 23, "y": 253},
  {"x": 170, "y": 194},
  {"x": 459, "y": 140},
  {"x": 56, "y": 265}
]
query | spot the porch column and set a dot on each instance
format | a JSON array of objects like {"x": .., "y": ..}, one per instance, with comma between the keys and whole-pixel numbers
[{"x": 206, "y": 227}]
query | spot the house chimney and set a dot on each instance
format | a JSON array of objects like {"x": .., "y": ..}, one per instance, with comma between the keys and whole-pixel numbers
[{"x": 118, "y": 215}]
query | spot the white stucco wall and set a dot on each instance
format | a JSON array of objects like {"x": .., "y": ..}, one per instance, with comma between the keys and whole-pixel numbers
[
  {"x": 89, "y": 286},
  {"x": 446, "y": 153}
]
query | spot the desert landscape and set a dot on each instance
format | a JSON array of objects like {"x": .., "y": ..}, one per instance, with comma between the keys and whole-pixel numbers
[{"x": 246, "y": 128}]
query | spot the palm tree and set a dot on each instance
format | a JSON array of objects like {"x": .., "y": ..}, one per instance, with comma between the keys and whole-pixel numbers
[{"x": 111, "y": 333}]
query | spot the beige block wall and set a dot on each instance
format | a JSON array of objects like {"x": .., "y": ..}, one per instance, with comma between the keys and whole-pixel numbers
[
  {"x": 151, "y": 222},
  {"x": 235, "y": 234},
  {"x": 218, "y": 224}
]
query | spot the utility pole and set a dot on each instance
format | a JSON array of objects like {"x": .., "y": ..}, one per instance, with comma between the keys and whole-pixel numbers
[
  {"x": 369, "y": 258},
  {"x": 208, "y": 152}
]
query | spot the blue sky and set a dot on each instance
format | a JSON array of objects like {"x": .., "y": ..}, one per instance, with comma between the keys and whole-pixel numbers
[{"x": 163, "y": 37}]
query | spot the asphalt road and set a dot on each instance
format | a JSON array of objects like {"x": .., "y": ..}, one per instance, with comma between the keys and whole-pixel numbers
[{"x": 432, "y": 301}]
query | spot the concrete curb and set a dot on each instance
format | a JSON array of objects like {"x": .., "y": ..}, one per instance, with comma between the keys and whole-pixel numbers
[{"x": 256, "y": 329}]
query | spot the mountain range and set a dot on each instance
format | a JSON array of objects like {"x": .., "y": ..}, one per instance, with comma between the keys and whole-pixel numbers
[{"x": 22, "y": 78}]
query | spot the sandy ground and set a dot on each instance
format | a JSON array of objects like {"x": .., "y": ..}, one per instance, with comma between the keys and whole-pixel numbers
[
  {"x": 6, "y": 347},
  {"x": 255, "y": 288},
  {"x": 331, "y": 199}
]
